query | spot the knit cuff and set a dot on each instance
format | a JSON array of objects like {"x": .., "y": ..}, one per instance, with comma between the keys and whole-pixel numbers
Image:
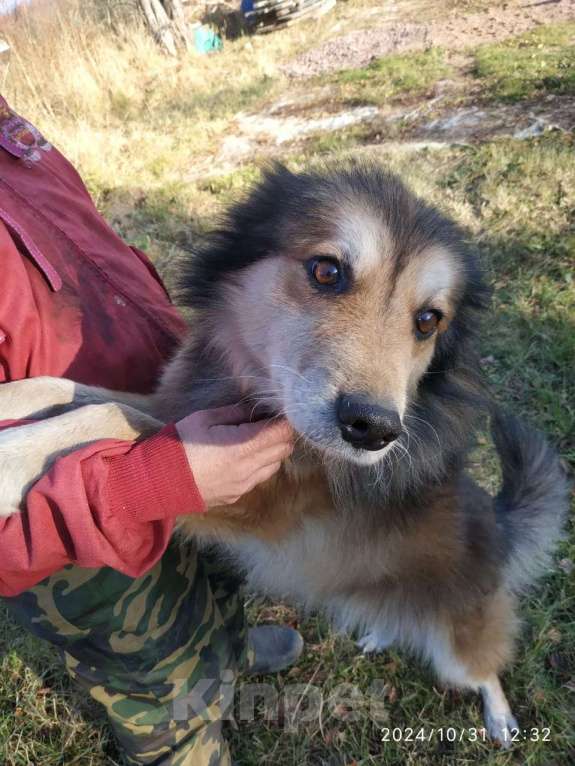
[{"x": 153, "y": 481}]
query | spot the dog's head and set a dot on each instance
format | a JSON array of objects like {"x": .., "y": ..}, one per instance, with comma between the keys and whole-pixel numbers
[{"x": 334, "y": 296}]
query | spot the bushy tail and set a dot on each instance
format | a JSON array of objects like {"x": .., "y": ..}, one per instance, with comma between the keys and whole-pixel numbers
[{"x": 533, "y": 503}]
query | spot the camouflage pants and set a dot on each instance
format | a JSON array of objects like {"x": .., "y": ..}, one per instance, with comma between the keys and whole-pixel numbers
[{"x": 160, "y": 652}]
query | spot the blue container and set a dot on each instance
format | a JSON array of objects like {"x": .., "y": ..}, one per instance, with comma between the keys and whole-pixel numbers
[{"x": 206, "y": 40}]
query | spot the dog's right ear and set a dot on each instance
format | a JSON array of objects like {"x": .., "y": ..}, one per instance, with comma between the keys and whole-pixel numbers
[
  {"x": 247, "y": 233},
  {"x": 276, "y": 171},
  {"x": 278, "y": 187}
]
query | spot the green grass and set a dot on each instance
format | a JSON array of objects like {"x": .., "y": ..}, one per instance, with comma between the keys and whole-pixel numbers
[
  {"x": 541, "y": 61},
  {"x": 401, "y": 75},
  {"x": 45, "y": 719},
  {"x": 524, "y": 196}
]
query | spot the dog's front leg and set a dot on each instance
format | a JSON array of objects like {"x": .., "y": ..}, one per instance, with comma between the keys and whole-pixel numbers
[
  {"x": 30, "y": 398},
  {"x": 45, "y": 396},
  {"x": 27, "y": 452},
  {"x": 471, "y": 649}
]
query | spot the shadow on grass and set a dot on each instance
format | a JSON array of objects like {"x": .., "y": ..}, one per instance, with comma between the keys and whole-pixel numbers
[{"x": 529, "y": 333}]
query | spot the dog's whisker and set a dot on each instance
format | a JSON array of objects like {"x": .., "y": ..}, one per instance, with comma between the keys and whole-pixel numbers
[
  {"x": 290, "y": 369},
  {"x": 427, "y": 423},
  {"x": 223, "y": 378},
  {"x": 404, "y": 453},
  {"x": 412, "y": 435}
]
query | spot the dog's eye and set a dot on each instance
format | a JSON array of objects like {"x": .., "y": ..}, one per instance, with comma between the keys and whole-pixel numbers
[
  {"x": 326, "y": 272},
  {"x": 426, "y": 323}
]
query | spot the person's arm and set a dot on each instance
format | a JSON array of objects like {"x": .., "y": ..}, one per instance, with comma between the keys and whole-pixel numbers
[{"x": 113, "y": 503}]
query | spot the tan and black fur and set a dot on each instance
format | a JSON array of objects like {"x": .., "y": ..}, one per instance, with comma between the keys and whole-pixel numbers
[{"x": 396, "y": 544}]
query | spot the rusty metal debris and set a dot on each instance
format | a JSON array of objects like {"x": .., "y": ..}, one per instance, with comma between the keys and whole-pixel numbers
[{"x": 264, "y": 16}]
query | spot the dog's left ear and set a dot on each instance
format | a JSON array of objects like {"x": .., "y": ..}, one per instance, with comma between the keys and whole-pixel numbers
[
  {"x": 277, "y": 173},
  {"x": 458, "y": 345}
]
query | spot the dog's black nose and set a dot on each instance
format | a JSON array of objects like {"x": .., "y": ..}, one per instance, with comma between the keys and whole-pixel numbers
[{"x": 366, "y": 425}]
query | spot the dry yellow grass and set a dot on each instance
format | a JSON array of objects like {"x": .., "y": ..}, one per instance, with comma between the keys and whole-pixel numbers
[
  {"x": 89, "y": 75},
  {"x": 125, "y": 113}
]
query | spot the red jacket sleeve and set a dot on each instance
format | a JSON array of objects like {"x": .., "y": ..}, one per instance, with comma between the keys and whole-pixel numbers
[{"x": 111, "y": 503}]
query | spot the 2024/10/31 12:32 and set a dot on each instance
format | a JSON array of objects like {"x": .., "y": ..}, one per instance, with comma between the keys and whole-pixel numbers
[{"x": 451, "y": 734}]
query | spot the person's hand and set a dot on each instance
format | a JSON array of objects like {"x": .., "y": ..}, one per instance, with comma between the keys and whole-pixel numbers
[{"x": 229, "y": 456}]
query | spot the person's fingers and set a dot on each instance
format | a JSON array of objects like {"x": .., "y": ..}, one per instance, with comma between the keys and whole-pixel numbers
[
  {"x": 263, "y": 474},
  {"x": 253, "y": 437},
  {"x": 236, "y": 435},
  {"x": 273, "y": 432},
  {"x": 230, "y": 415},
  {"x": 260, "y": 458}
]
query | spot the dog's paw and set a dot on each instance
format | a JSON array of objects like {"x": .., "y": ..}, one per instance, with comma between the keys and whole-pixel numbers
[
  {"x": 374, "y": 642},
  {"x": 499, "y": 720},
  {"x": 501, "y": 727}
]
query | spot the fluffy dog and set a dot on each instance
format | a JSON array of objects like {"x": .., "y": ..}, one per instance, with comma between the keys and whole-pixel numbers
[{"x": 342, "y": 301}]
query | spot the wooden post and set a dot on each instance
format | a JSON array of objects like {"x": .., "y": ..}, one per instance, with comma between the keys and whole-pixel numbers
[
  {"x": 175, "y": 11},
  {"x": 167, "y": 22}
]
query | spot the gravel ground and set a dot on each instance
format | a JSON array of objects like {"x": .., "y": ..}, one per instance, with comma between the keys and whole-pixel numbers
[{"x": 358, "y": 48}]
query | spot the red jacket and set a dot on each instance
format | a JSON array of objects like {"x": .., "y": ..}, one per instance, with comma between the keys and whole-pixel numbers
[{"x": 77, "y": 302}]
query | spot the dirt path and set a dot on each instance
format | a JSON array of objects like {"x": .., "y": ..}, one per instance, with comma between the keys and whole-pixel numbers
[
  {"x": 310, "y": 111},
  {"x": 274, "y": 133},
  {"x": 454, "y": 32}
]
